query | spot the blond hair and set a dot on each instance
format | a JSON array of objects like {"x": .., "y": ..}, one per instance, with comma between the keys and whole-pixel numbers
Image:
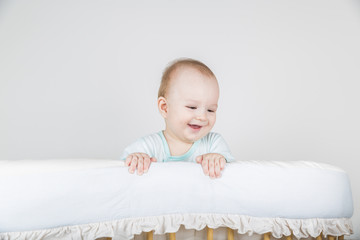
[{"x": 171, "y": 69}]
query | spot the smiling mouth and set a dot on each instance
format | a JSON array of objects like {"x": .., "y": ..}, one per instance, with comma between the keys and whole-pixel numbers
[{"x": 194, "y": 126}]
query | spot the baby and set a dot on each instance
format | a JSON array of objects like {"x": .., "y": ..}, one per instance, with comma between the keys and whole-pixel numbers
[{"x": 187, "y": 100}]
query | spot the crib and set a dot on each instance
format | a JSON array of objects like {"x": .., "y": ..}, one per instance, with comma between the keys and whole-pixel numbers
[{"x": 99, "y": 199}]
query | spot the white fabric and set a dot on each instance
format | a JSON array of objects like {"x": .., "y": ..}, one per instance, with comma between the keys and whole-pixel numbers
[
  {"x": 95, "y": 198},
  {"x": 155, "y": 145},
  {"x": 126, "y": 228}
]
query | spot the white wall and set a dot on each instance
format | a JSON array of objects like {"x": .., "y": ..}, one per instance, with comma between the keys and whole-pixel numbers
[{"x": 79, "y": 79}]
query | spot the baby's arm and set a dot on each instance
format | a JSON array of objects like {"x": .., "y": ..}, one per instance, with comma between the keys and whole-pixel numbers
[
  {"x": 139, "y": 161},
  {"x": 212, "y": 164}
]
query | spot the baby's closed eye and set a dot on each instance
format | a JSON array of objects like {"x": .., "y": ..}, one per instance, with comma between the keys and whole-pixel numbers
[{"x": 194, "y": 108}]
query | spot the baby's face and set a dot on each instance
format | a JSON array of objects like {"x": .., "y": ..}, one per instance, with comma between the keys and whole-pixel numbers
[{"x": 192, "y": 101}]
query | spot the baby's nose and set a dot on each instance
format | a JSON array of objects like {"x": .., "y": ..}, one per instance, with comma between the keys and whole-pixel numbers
[{"x": 201, "y": 116}]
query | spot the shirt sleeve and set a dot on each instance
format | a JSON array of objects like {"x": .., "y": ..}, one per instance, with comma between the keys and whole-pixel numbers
[
  {"x": 140, "y": 145},
  {"x": 218, "y": 145}
]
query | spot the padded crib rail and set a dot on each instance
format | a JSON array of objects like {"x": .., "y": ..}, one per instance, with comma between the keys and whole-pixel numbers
[{"x": 64, "y": 199}]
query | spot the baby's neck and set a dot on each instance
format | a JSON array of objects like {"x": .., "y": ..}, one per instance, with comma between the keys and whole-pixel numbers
[{"x": 176, "y": 146}]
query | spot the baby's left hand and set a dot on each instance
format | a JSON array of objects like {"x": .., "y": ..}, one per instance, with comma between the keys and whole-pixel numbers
[{"x": 212, "y": 164}]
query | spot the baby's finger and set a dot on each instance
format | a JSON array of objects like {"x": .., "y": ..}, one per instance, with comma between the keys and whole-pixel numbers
[
  {"x": 147, "y": 162},
  {"x": 222, "y": 163},
  {"x": 128, "y": 160},
  {"x": 217, "y": 168},
  {"x": 205, "y": 166},
  {"x": 199, "y": 158},
  {"x": 133, "y": 164},
  {"x": 153, "y": 159},
  {"x": 140, "y": 165},
  {"x": 211, "y": 168}
]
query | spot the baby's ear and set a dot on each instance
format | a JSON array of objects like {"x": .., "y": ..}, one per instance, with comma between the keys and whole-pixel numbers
[{"x": 162, "y": 105}]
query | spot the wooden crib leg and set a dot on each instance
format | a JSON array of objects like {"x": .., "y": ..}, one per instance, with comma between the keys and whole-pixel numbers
[
  {"x": 172, "y": 236},
  {"x": 341, "y": 237},
  {"x": 288, "y": 237},
  {"x": 210, "y": 233},
  {"x": 150, "y": 235},
  {"x": 331, "y": 237},
  {"x": 267, "y": 236},
  {"x": 319, "y": 237},
  {"x": 230, "y": 234}
]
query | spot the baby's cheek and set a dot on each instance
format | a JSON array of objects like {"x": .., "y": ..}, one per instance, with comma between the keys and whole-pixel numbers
[{"x": 213, "y": 120}]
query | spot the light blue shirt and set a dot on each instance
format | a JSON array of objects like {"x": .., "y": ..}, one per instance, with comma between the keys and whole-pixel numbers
[{"x": 155, "y": 145}]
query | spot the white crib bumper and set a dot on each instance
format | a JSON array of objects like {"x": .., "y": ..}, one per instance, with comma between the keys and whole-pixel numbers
[{"x": 92, "y": 197}]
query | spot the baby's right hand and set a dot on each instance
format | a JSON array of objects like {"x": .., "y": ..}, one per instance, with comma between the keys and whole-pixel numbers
[{"x": 141, "y": 161}]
